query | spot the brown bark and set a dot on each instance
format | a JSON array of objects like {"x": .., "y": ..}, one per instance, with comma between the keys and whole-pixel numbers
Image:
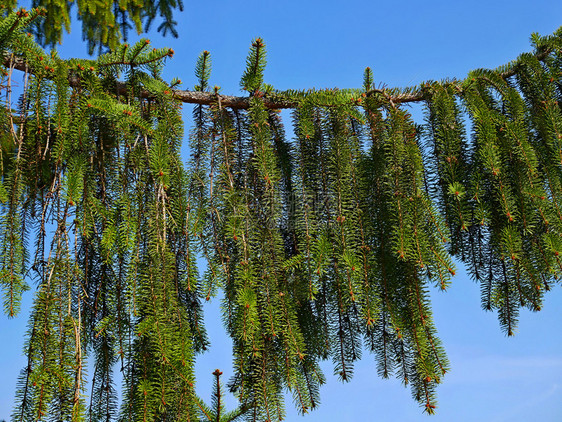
[
  {"x": 204, "y": 98},
  {"x": 208, "y": 98}
]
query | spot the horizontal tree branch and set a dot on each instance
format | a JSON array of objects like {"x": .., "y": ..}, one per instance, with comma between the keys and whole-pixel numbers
[
  {"x": 204, "y": 98},
  {"x": 208, "y": 98},
  {"x": 230, "y": 101}
]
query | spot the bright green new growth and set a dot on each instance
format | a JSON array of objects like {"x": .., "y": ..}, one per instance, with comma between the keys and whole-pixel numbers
[{"x": 324, "y": 246}]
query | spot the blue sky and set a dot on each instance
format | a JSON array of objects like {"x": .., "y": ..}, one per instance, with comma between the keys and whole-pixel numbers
[{"x": 325, "y": 44}]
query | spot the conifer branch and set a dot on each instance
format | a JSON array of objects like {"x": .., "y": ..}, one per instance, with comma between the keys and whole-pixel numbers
[
  {"x": 319, "y": 243},
  {"x": 270, "y": 102}
]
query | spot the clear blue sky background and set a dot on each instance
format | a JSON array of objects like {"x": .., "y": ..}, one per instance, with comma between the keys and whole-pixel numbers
[{"x": 327, "y": 44}]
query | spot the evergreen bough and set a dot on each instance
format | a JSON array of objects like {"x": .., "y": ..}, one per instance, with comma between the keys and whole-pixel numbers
[{"x": 325, "y": 245}]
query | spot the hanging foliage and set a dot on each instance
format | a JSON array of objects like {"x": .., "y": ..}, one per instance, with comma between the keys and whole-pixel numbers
[
  {"x": 104, "y": 23},
  {"x": 325, "y": 245}
]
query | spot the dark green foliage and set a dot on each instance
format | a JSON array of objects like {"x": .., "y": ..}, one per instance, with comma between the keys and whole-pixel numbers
[
  {"x": 99, "y": 180},
  {"x": 325, "y": 246},
  {"x": 104, "y": 23}
]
